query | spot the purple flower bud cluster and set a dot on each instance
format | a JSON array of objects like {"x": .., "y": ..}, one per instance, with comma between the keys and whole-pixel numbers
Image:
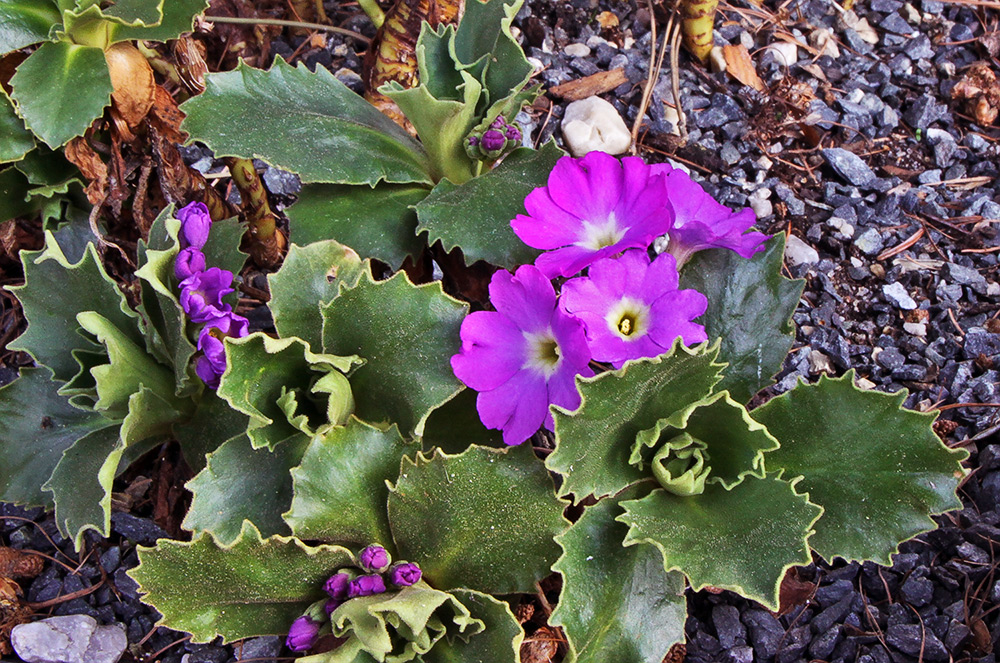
[
  {"x": 202, "y": 289},
  {"x": 498, "y": 138},
  {"x": 374, "y": 574}
]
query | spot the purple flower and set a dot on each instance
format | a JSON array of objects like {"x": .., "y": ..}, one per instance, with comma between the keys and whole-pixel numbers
[
  {"x": 405, "y": 574},
  {"x": 493, "y": 141},
  {"x": 366, "y": 586},
  {"x": 195, "y": 224},
  {"x": 522, "y": 357},
  {"x": 202, "y": 293},
  {"x": 189, "y": 262},
  {"x": 331, "y": 605},
  {"x": 512, "y": 133},
  {"x": 212, "y": 364},
  {"x": 473, "y": 141},
  {"x": 374, "y": 558},
  {"x": 632, "y": 308},
  {"x": 338, "y": 585},
  {"x": 702, "y": 223},
  {"x": 303, "y": 634},
  {"x": 592, "y": 208}
]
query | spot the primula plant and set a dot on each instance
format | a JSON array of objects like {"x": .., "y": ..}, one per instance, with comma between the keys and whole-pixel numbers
[{"x": 592, "y": 418}]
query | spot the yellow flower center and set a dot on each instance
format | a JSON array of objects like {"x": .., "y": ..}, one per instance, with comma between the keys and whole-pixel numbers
[
  {"x": 596, "y": 236},
  {"x": 629, "y": 318},
  {"x": 543, "y": 355}
]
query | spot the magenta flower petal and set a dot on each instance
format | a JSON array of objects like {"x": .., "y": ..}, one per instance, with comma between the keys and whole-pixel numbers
[
  {"x": 195, "y": 224},
  {"x": 632, "y": 308},
  {"x": 303, "y": 634},
  {"x": 523, "y": 357},
  {"x": 592, "y": 208},
  {"x": 202, "y": 293},
  {"x": 702, "y": 223}
]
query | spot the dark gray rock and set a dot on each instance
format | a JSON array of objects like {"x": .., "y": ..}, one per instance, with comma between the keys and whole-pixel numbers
[
  {"x": 917, "y": 591},
  {"x": 913, "y": 640},
  {"x": 728, "y": 629},
  {"x": 981, "y": 343},
  {"x": 849, "y": 166},
  {"x": 828, "y": 595},
  {"x": 260, "y": 648},
  {"x": 765, "y": 632},
  {"x": 823, "y": 646},
  {"x": 924, "y": 111},
  {"x": 141, "y": 530}
]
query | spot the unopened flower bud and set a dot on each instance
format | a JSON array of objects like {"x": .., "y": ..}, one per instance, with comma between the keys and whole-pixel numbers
[
  {"x": 303, "y": 634},
  {"x": 493, "y": 141},
  {"x": 195, "y": 224},
  {"x": 338, "y": 585},
  {"x": 189, "y": 261},
  {"x": 404, "y": 574},
  {"x": 374, "y": 559},
  {"x": 513, "y": 133},
  {"x": 366, "y": 586}
]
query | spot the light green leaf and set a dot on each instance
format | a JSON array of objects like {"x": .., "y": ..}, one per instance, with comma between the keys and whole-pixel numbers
[
  {"x": 213, "y": 423},
  {"x": 483, "y": 519},
  {"x": 310, "y": 276},
  {"x": 51, "y": 312},
  {"x": 441, "y": 124},
  {"x": 51, "y": 75},
  {"x": 262, "y": 370},
  {"x": 436, "y": 65},
  {"x": 340, "y": 486},
  {"x": 500, "y": 642},
  {"x": 742, "y": 539},
  {"x": 407, "y": 335},
  {"x": 376, "y": 222},
  {"x": 476, "y": 216},
  {"x": 25, "y": 22},
  {"x": 252, "y": 587},
  {"x": 877, "y": 470},
  {"x": 750, "y": 305},
  {"x": 44, "y": 425},
  {"x": 616, "y": 604},
  {"x": 734, "y": 442},
  {"x": 178, "y": 17},
  {"x": 15, "y": 140},
  {"x": 81, "y": 484},
  {"x": 483, "y": 39},
  {"x": 129, "y": 369},
  {"x": 308, "y": 123},
  {"x": 149, "y": 415},
  {"x": 242, "y": 483},
  {"x": 594, "y": 444}
]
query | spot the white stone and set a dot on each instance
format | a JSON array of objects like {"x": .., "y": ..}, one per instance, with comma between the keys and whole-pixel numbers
[
  {"x": 597, "y": 40},
  {"x": 68, "y": 639},
  {"x": 577, "y": 50},
  {"x": 897, "y": 294},
  {"x": 993, "y": 289},
  {"x": 910, "y": 13},
  {"x": 760, "y": 202},
  {"x": 822, "y": 40},
  {"x": 866, "y": 32},
  {"x": 716, "y": 60},
  {"x": 820, "y": 363},
  {"x": 798, "y": 252},
  {"x": 842, "y": 229},
  {"x": 671, "y": 115},
  {"x": 864, "y": 383},
  {"x": 593, "y": 124},
  {"x": 785, "y": 52},
  {"x": 915, "y": 328}
]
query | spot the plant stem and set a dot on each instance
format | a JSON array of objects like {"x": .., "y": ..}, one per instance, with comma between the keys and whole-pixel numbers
[
  {"x": 374, "y": 12},
  {"x": 287, "y": 24},
  {"x": 266, "y": 242}
]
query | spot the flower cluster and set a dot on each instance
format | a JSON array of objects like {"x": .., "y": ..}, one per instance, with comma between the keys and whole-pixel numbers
[
  {"x": 374, "y": 574},
  {"x": 498, "y": 138},
  {"x": 202, "y": 289},
  {"x": 601, "y": 215}
]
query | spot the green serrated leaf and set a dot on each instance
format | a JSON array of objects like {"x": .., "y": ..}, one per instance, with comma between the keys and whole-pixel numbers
[
  {"x": 734, "y": 442},
  {"x": 51, "y": 75},
  {"x": 81, "y": 484},
  {"x": 476, "y": 216},
  {"x": 14, "y": 195},
  {"x": 44, "y": 425},
  {"x": 407, "y": 335},
  {"x": 149, "y": 415},
  {"x": 750, "y": 305},
  {"x": 483, "y": 519},
  {"x": 616, "y": 604},
  {"x": 742, "y": 539},
  {"x": 340, "y": 486},
  {"x": 213, "y": 423},
  {"x": 377, "y": 222},
  {"x": 242, "y": 483},
  {"x": 594, "y": 444},
  {"x": 51, "y": 310},
  {"x": 129, "y": 369},
  {"x": 15, "y": 140},
  {"x": 252, "y": 587},
  {"x": 436, "y": 66},
  {"x": 309, "y": 277},
  {"x": 178, "y": 17},
  {"x": 500, "y": 642},
  {"x": 305, "y": 122},
  {"x": 483, "y": 39},
  {"x": 261, "y": 370},
  {"x": 442, "y": 125},
  {"x": 26, "y": 22},
  {"x": 877, "y": 470}
]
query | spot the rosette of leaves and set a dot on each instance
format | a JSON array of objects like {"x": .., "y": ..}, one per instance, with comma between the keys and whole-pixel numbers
[
  {"x": 112, "y": 381},
  {"x": 694, "y": 485},
  {"x": 78, "y": 46},
  {"x": 367, "y": 183}
]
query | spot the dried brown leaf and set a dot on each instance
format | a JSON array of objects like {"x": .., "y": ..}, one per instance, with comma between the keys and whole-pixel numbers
[
  {"x": 588, "y": 86},
  {"x": 794, "y": 591},
  {"x": 17, "y": 564},
  {"x": 542, "y": 646},
  {"x": 132, "y": 80},
  {"x": 740, "y": 66},
  {"x": 980, "y": 91},
  {"x": 607, "y": 20},
  {"x": 82, "y": 155}
]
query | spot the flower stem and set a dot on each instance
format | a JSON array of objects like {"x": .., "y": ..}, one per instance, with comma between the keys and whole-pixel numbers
[
  {"x": 266, "y": 242},
  {"x": 374, "y": 12},
  {"x": 287, "y": 24}
]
